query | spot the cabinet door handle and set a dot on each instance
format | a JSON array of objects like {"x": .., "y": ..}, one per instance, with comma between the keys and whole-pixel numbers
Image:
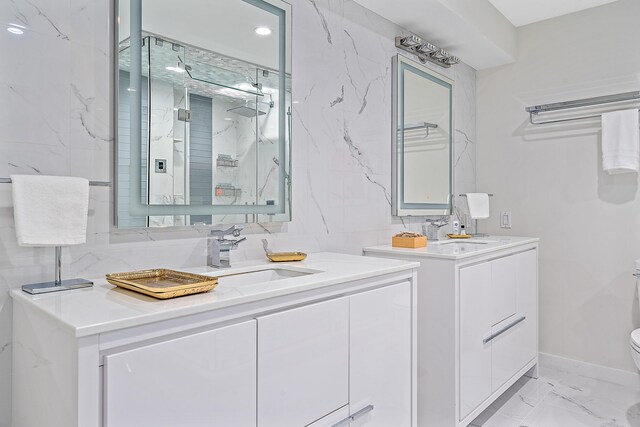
[
  {"x": 503, "y": 330},
  {"x": 354, "y": 416}
]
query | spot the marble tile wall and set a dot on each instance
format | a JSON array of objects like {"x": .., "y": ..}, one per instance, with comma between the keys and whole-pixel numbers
[{"x": 56, "y": 118}]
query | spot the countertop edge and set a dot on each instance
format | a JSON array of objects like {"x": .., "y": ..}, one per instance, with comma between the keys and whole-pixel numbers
[
  {"x": 388, "y": 249},
  {"x": 18, "y": 295}
]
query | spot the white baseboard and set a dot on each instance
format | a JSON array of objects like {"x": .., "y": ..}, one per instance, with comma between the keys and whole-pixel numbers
[{"x": 603, "y": 373}]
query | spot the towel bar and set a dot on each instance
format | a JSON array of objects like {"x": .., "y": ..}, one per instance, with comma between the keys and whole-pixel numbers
[
  {"x": 579, "y": 103},
  {"x": 475, "y": 221},
  {"x": 91, "y": 183}
]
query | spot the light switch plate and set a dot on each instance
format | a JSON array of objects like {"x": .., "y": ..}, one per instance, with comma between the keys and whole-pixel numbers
[
  {"x": 161, "y": 165},
  {"x": 505, "y": 219}
]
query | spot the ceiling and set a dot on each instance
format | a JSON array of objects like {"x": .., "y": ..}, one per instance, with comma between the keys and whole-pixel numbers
[
  {"x": 481, "y": 32},
  {"x": 523, "y": 12},
  {"x": 222, "y": 26},
  {"x": 473, "y": 30}
]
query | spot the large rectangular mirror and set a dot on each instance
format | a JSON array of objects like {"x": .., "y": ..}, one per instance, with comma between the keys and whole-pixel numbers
[
  {"x": 204, "y": 112},
  {"x": 422, "y": 146}
]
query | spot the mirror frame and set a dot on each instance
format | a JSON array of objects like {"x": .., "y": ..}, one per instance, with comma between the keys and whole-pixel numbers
[
  {"x": 136, "y": 207},
  {"x": 398, "y": 207}
]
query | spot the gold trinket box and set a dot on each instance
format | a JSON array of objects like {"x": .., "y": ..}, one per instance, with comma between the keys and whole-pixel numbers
[{"x": 286, "y": 256}]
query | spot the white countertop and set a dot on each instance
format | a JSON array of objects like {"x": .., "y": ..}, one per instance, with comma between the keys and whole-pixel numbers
[
  {"x": 456, "y": 248},
  {"x": 104, "y": 307}
]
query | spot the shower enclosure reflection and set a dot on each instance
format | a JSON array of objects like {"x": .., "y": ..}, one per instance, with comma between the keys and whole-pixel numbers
[{"x": 214, "y": 127}]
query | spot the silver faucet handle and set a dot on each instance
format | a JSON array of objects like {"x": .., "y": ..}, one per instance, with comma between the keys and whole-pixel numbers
[
  {"x": 236, "y": 242},
  {"x": 227, "y": 244},
  {"x": 440, "y": 222},
  {"x": 233, "y": 230}
]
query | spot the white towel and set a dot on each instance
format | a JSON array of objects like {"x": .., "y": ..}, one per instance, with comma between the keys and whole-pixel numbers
[
  {"x": 620, "y": 141},
  {"x": 50, "y": 210},
  {"x": 478, "y": 205}
]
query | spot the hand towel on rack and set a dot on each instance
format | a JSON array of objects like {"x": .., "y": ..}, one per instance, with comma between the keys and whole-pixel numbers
[
  {"x": 50, "y": 210},
  {"x": 478, "y": 205},
  {"x": 620, "y": 141}
]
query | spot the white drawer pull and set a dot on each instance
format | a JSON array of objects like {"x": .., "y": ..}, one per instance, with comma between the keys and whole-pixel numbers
[
  {"x": 354, "y": 417},
  {"x": 503, "y": 330}
]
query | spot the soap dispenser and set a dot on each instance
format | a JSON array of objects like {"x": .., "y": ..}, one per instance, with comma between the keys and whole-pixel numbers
[{"x": 456, "y": 227}]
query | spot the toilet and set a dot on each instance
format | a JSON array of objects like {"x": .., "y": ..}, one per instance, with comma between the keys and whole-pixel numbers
[{"x": 635, "y": 335}]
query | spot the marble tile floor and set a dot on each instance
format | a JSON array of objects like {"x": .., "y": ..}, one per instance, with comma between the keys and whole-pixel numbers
[{"x": 562, "y": 399}]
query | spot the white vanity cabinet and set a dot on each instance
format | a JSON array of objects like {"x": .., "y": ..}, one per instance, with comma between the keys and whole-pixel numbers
[
  {"x": 334, "y": 352},
  {"x": 477, "y": 323}
]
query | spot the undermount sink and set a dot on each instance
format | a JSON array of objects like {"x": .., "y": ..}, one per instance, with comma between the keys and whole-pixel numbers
[
  {"x": 461, "y": 242},
  {"x": 269, "y": 274}
]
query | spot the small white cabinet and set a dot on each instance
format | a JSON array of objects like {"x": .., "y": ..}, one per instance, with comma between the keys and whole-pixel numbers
[
  {"x": 202, "y": 379},
  {"x": 477, "y": 324}
]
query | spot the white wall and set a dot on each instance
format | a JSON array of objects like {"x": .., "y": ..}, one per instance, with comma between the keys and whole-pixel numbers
[
  {"x": 56, "y": 118},
  {"x": 551, "y": 178}
]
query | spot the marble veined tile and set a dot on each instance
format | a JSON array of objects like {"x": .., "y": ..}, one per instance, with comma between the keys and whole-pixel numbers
[
  {"x": 497, "y": 419},
  {"x": 57, "y": 118},
  {"x": 564, "y": 399}
]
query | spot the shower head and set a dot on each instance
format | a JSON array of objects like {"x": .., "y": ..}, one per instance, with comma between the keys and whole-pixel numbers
[
  {"x": 246, "y": 111},
  {"x": 249, "y": 109}
]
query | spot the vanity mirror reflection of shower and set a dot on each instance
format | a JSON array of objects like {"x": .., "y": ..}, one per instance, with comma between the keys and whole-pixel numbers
[{"x": 214, "y": 113}]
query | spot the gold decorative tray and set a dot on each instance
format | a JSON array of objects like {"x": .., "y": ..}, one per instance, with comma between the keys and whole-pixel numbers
[
  {"x": 286, "y": 256},
  {"x": 166, "y": 295},
  {"x": 163, "y": 283},
  {"x": 459, "y": 236}
]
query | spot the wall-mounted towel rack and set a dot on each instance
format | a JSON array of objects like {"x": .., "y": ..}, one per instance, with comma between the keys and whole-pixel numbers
[
  {"x": 465, "y": 195},
  {"x": 416, "y": 126},
  {"x": 425, "y": 125},
  {"x": 577, "y": 103},
  {"x": 91, "y": 183}
]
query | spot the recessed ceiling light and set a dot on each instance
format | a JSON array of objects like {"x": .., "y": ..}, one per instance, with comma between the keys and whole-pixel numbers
[
  {"x": 262, "y": 31},
  {"x": 15, "y": 30}
]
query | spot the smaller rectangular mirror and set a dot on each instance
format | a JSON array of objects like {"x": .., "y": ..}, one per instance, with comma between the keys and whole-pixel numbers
[{"x": 422, "y": 151}]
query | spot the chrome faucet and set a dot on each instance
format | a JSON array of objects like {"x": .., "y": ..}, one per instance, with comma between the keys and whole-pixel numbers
[
  {"x": 430, "y": 229},
  {"x": 219, "y": 248}
]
